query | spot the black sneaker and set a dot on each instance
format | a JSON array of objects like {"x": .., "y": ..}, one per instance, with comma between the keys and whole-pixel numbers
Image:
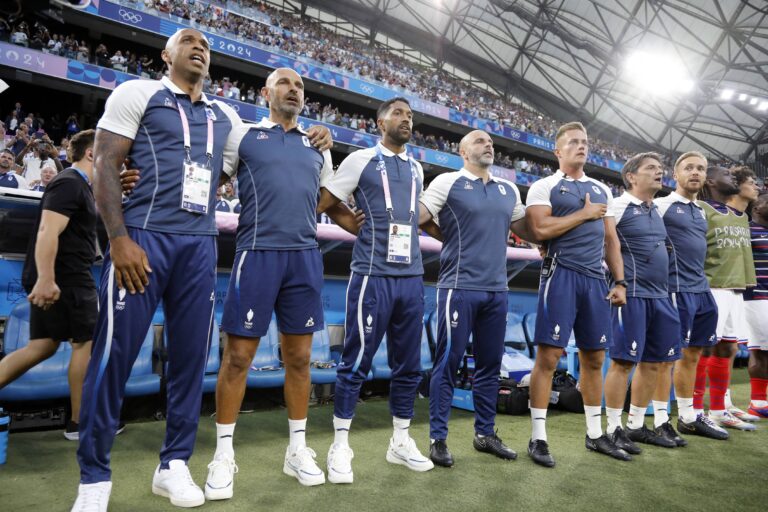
[
  {"x": 702, "y": 426},
  {"x": 668, "y": 431},
  {"x": 648, "y": 436},
  {"x": 72, "y": 432},
  {"x": 492, "y": 444},
  {"x": 538, "y": 450},
  {"x": 604, "y": 445},
  {"x": 440, "y": 454},
  {"x": 620, "y": 439}
]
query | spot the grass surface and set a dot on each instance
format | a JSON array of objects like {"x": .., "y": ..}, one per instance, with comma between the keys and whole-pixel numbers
[{"x": 42, "y": 473}]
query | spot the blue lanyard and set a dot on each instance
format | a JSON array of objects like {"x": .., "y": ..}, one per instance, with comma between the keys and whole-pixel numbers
[{"x": 82, "y": 175}]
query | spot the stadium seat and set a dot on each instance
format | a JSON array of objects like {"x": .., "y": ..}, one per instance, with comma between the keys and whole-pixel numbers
[
  {"x": 321, "y": 354},
  {"x": 514, "y": 337},
  {"x": 266, "y": 370},
  {"x": 45, "y": 381},
  {"x": 143, "y": 381},
  {"x": 380, "y": 363},
  {"x": 427, "y": 360},
  {"x": 214, "y": 361},
  {"x": 432, "y": 331},
  {"x": 529, "y": 327}
]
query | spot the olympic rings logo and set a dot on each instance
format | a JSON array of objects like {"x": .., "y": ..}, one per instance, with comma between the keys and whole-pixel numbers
[
  {"x": 130, "y": 16},
  {"x": 441, "y": 158},
  {"x": 367, "y": 89}
]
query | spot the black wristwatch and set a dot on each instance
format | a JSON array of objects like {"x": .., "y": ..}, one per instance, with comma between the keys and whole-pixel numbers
[{"x": 620, "y": 282}]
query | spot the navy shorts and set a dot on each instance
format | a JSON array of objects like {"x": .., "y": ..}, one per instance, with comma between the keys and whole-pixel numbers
[
  {"x": 698, "y": 318},
  {"x": 646, "y": 330},
  {"x": 570, "y": 301},
  {"x": 290, "y": 283}
]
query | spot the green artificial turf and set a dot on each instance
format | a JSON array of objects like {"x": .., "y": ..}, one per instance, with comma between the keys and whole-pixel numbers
[{"x": 42, "y": 473}]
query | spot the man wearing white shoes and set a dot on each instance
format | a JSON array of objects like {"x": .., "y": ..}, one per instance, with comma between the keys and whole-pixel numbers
[
  {"x": 278, "y": 267},
  {"x": 386, "y": 291},
  {"x": 163, "y": 234}
]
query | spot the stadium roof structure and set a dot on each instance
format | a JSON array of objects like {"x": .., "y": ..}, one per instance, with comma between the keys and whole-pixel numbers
[{"x": 568, "y": 58}]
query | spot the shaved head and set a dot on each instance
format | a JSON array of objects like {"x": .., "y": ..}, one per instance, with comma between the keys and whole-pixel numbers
[
  {"x": 468, "y": 138},
  {"x": 174, "y": 39},
  {"x": 476, "y": 148},
  {"x": 274, "y": 76}
]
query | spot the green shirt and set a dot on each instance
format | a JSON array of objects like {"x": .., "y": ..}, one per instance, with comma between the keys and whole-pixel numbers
[{"x": 729, "y": 261}]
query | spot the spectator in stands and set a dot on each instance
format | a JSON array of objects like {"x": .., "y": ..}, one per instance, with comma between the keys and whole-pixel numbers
[
  {"x": 57, "y": 277},
  {"x": 20, "y": 34},
  {"x": 38, "y": 153},
  {"x": 118, "y": 61},
  {"x": 21, "y": 139},
  {"x": 47, "y": 173},
  {"x": 72, "y": 125},
  {"x": 102, "y": 56},
  {"x": 8, "y": 176},
  {"x": 222, "y": 205}
]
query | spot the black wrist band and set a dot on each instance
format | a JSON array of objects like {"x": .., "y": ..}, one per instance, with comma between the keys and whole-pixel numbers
[{"x": 620, "y": 282}]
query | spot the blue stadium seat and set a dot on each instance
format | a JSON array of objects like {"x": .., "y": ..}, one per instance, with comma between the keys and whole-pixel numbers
[
  {"x": 143, "y": 381},
  {"x": 380, "y": 363},
  {"x": 266, "y": 370},
  {"x": 529, "y": 327},
  {"x": 214, "y": 361},
  {"x": 515, "y": 337},
  {"x": 426, "y": 353},
  {"x": 321, "y": 353},
  {"x": 432, "y": 329},
  {"x": 48, "y": 379}
]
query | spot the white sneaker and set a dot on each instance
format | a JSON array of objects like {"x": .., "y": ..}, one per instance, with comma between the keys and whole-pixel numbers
[
  {"x": 710, "y": 423},
  {"x": 340, "y": 464},
  {"x": 408, "y": 455},
  {"x": 176, "y": 483},
  {"x": 742, "y": 415},
  {"x": 300, "y": 464},
  {"x": 728, "y": 420},
  {"x": 220, "y": 484},
  {"x": 92, "y": 497}
]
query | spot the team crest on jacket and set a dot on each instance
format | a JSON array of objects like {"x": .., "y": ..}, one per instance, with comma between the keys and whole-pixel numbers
[
  {"x": 502, "y": 190},
  {"x": 261, "y": 136},
  {"x": 596, "y": 189}
]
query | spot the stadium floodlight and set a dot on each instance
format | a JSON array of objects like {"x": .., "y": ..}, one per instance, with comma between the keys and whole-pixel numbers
[
  {"x": 753, "y": 101},
  {"x": 658, "y": 73},
  {"x": 726, "y": 94},
  {"x": 742, "y": 97},
  {"x": 763, "y": 106}
]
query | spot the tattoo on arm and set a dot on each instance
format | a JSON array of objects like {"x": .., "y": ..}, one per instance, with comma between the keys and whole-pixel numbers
[{"x": 110, "y": 151}]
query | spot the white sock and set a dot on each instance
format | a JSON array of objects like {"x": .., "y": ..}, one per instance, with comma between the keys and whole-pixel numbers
[
  {"x": 341, "y": 428},
  {"x": 614, "y": 419},
  {"x": 594, "y": 417},
  {"x": 759, "y": 403},
  {"x": 660, "y": 414},
  {"x": 685, "y": 410},
  {"x": 539, "y": 424},
  {"x": 224, "y": 434},
  {"x": 400, "y": 429},
  {"x": 728, "y": 401},
  {"x": 297, "y": 430},
  {"x": 636, "y": 418},
  {"x": 713, "y": 412}
]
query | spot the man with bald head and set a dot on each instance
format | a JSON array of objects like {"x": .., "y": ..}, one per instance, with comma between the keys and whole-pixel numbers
[
  {"x": 475, "y": 211},
  {"x": 278, "y": 267},
  {"x": 162, "y": 247}
]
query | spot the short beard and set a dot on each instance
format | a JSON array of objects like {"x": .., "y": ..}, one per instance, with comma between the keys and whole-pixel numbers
[
  {"x": 288, "y": 110},
  {"x": 398, "y": 139}
]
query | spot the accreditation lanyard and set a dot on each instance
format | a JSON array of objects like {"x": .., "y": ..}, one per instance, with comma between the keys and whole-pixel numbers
[
  {"x": 399, "y": 233},
  {"x": 197, "y": 177}
]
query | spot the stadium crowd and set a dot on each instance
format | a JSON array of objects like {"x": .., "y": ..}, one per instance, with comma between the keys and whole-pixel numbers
[
  {"x": 682, "y": 308},
  {"x": 257, "y": 22}
]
